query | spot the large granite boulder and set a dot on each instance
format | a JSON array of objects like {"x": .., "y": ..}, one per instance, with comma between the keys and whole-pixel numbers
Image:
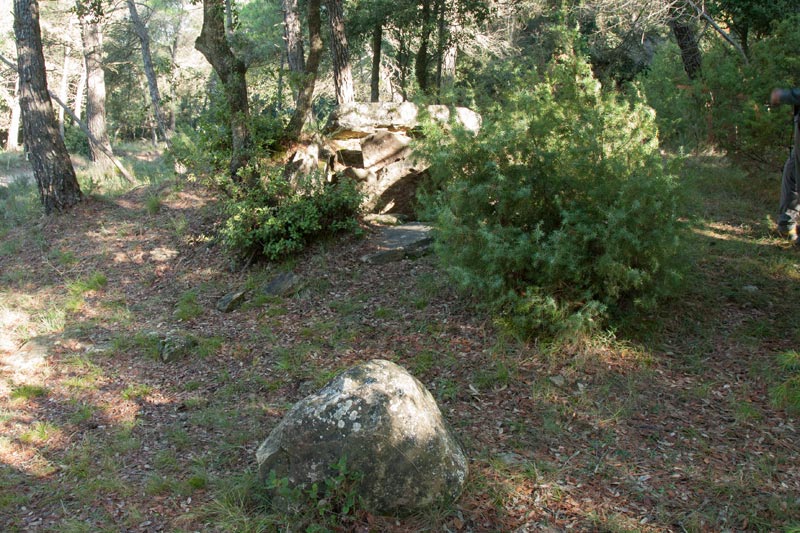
[{"x": 388, "y": 428}]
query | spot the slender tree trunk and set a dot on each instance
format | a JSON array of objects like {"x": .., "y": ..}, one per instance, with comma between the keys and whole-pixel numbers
[
  {"x": 12, "y": 100},
  {"x": 293, "y": 36},
  {"x": 306, "y": 94},
  {"x": 449, "y": 66},
  {"x": 64, "y": 85},
  {"x": 229, "y": 21},
  {"x": 686, "y": 37},
  {"x": 149, "y": 71},
  {"x": 375, "y": 78},
  {"x": 421, "y": 63},
  {"x": 340, "y": 53},
  {"x": 77, "y": 106},
  {"x": 293, "y": 39},
  {"x": 173, "y": 54},
  {"x": 52, "y": 168},
  {"x": 403, "y": 58},
  {"x": 213, "y": 44},
  {"x": 96, "y": 87}
]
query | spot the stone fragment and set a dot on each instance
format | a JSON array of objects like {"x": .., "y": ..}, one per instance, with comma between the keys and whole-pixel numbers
[
  {"x": 231, "y": 301},
  {"x": 283, "y": 285},
  {"x": 176, "y": 345}
]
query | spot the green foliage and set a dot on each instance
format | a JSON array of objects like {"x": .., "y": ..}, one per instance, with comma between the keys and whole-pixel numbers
[
  {"x": 204, "y": 147},
  {"x": 787, "y": 393},
  {"x": 76, "y": 140},
  {"x": 318, "y": 507},
  {"x": 678, "y": 103},
  {"x": 560, "y": 210},
  {"x": 726, "y": 107},
  {"x": 280, "y": 218}
]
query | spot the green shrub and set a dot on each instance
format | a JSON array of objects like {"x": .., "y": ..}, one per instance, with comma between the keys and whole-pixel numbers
[
  {"x": 560, "y": 211},
  {"x": 279, "y": 218},
  {"x": 679, "y": 103}
]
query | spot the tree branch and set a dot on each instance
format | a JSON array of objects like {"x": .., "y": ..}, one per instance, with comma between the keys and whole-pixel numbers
[{"x": 702, "y": 13}]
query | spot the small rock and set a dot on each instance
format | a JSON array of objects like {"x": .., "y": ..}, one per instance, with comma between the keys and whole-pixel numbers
[
  {"x": 511, "y": 458},
  {"x": 176, "y": 345},
  {"x": 558, "y": 380},
  {"x": 750, "y": 288},
  {"x": 231, "y": 301},
  {"x": 283, "y": 285}
]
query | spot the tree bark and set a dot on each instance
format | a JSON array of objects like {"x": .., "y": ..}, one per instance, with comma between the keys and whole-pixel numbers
[
  {"x": 12, "y": 100},
  {"x": 375, "y": 78},
  {"x": 212, "y": 43},
  {"x": 293, "y": 36},
  {"x": 421, "y": 63},
  {"x": 77, "y": 105},
  {"x": 52, "y": 168},
  {"x": 96, "y": 86},
  {"x": 64, "y": 85},
  {"x": 306, "y": 94},
  {"x": 686, "y": 37},
  {"x": 340, "y": 53},
  {"x": 149, "y": 71}
]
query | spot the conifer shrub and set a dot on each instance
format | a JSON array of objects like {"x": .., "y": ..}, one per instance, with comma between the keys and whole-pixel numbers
[
  {"x": 280, "y": 218},
  {"x": 560, "y": 212}
]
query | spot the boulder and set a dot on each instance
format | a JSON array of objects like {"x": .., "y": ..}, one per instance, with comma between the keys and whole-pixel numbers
[
  {"x": 387, "y": 427},
  {"x": 384, "y": 147}
]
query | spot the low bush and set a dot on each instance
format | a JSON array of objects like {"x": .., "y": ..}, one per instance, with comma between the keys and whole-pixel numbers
[
  {"x": 560, "y": 211},
  {"x": 281, "y": 218}
]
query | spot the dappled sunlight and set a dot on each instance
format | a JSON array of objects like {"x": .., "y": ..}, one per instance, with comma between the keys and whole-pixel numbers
[{"x": 728, "y": 232}]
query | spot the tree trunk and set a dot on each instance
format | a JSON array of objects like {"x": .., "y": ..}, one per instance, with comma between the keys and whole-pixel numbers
[
  {"x": 449, "y": 66},
  {"x": 149, "y": 71},
  {"x": 421, "y": 63},
  {"x": 52, "y": 168},
  {"x": 64, "y": 86},
  {"x": 440, "y": 44},
  {"x": 686, "y": 37},
  {"x": 96, "y": 86},
  {"x": 306, "y": 94},
  {"x": 403, "y": 59},
  {"x": 340, "y": 53},
  {"x": 293, "y": 35},
  {"x": 79, "y": 91},
  {"x": 12, "y": 100},
  {"x": 213, "y": 44},
  {"x": 375, "y": 79}
]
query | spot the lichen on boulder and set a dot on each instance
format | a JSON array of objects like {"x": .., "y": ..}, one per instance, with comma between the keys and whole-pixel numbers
[{"x": 389, "y": 429}]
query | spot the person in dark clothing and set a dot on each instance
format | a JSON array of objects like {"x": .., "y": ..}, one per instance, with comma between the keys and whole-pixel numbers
[{"x": 790, "y": 196}]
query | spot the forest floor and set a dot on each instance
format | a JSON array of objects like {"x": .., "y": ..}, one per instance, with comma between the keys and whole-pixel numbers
[{"x": 674, "y": 422}]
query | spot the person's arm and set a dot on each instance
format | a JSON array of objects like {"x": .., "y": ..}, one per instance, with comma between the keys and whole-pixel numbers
[{"x": 785, "y": 96}]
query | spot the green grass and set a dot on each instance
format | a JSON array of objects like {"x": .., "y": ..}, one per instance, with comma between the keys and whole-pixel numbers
[
  {"x": 187, "y": 307},
  {"x": 29, "y": 392},
  {"x": 136, "y": 391},
  {"x": 79, "y": 287}
]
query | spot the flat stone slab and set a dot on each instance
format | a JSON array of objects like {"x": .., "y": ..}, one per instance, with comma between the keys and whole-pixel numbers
[{"x": 406, "y": 241}]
